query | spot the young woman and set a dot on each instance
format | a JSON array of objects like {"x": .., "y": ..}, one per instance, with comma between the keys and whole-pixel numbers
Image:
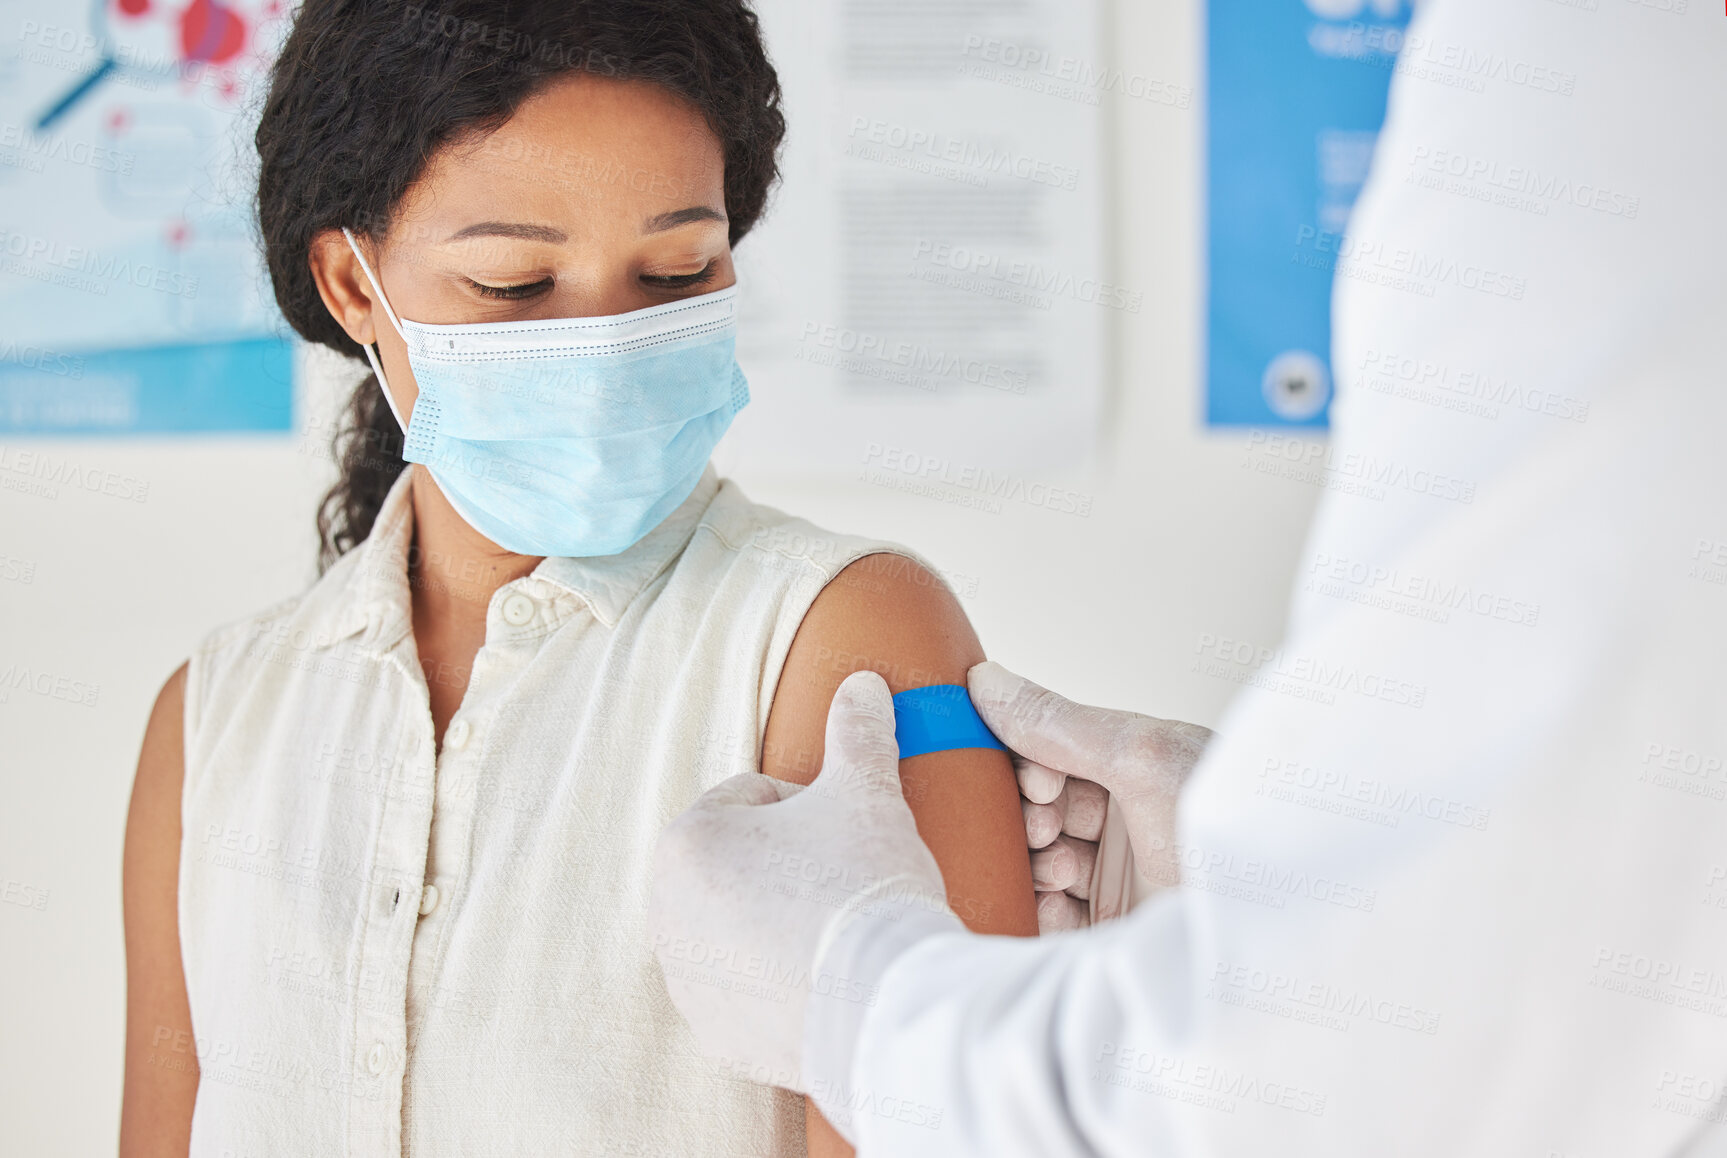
[{"x": 387, "y": 857}]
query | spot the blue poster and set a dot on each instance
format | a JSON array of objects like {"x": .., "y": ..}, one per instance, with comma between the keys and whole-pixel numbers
[
  {"x": 1296, "y": 96},
  {"x": 133, "y": 297}
]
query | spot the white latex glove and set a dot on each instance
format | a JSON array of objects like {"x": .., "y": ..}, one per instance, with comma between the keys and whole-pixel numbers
[
  {"x": 1072, "y": 761},
  {"x": 755, "y": 880}
]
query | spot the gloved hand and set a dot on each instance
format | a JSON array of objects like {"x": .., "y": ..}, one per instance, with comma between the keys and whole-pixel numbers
[
  {"x": 1072, "y": 760},
  {"x": 755, "y": 881}
]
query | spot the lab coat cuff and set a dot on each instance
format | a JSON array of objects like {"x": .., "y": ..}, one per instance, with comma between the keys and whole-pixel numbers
[{"x": 846, "y": 975}]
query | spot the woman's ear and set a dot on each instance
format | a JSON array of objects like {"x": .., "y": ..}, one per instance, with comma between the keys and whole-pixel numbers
[{"x": 343, "y": 285}]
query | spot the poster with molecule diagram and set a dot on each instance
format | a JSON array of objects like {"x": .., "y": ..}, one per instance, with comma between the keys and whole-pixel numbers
[{"x": 132, "y": 282}]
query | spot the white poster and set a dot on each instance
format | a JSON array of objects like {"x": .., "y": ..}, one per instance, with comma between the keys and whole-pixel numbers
[{"x": 930, "y": 279}]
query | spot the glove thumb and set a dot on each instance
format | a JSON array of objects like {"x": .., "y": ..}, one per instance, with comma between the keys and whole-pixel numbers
[
  {"x": 1127, "y": 753},
  {"x": 1042, "y": 726},
  {"x": 861, "y": 754}
]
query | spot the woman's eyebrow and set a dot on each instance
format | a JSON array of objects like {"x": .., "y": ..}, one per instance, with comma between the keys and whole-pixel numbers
[
  {"x": 664, "y": 221},
  {"x": 518, "y": 230}
]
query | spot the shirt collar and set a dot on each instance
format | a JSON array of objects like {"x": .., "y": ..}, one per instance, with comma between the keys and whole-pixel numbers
[{"x": 608, "y": 584}]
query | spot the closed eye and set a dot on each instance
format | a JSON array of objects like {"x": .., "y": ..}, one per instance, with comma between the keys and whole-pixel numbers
[
  {"x": 511, "y": 292},
  {"x": 681, "y": 280}
]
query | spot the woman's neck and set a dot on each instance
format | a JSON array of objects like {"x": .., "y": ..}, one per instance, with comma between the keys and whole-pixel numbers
[{"x": 452, "y": 568}]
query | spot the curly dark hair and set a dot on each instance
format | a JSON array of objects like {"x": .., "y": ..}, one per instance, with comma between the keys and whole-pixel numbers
[{"x": 365, "y": 92}]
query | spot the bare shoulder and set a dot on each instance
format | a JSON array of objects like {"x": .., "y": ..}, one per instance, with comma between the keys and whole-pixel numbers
[
  {"x": 154, "y": 817},
  {"x": 884, "y": 613},
  {"x": 162, "y": 757},
  {"x": 161, "y": 1068},
  {"x": 888, "y": 614}
]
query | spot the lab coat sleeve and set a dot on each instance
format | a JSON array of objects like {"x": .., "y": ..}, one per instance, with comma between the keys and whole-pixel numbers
[{"x": 1454, "y": 874}]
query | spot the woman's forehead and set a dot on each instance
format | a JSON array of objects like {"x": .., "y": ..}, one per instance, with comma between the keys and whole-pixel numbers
[{"x": 582, "y": 146}]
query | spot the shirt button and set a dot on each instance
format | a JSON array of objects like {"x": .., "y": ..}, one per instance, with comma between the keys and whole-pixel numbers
[
  {"x": 456, "y": 734},
  {"x": 428, "y": 899},
  {"x": 375, "y": 1058},
  {"x": 518, "y": 610}
]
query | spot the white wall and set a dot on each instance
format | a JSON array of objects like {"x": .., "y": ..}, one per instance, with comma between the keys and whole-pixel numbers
[{"x": 1181, "y": 540}]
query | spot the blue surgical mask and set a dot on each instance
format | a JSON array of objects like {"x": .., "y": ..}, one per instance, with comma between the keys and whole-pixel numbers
[{"x": 573, "y": 436}]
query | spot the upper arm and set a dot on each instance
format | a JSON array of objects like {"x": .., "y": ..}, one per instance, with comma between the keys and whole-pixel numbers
[
  {"x": 161, "y": 1063},
  {"x": 889, "y": 615}
]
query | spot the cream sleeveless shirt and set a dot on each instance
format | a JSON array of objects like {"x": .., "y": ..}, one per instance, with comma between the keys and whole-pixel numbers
[{"x": 391, "y": 950}]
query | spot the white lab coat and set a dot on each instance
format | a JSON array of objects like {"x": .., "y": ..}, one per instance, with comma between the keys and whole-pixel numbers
[{"x": 1456, "y": 867}]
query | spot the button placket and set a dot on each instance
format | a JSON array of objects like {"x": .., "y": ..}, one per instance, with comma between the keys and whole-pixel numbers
[
  {"x": 458, "y": 786},
  {"x": 385, "y": 949}
]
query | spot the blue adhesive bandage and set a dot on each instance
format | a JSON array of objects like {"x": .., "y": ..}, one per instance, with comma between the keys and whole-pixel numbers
[{"x": 939, "y": 718}]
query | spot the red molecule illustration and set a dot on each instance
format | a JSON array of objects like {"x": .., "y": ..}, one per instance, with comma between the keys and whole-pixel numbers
[
  {"x": 211, "y": 32},
  {"x": 134, "y": 7}
]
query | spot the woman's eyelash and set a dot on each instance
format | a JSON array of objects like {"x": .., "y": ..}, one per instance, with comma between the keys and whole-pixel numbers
[
  {"x": 529, "y": 289},
  {"x": 510, "y": 292},
  {"x": 681, "y": 280}
]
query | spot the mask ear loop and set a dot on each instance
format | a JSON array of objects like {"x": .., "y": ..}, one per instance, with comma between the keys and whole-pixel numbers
[{"x": 377, "y": 366}]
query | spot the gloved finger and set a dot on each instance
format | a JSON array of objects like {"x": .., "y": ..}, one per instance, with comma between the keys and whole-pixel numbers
[
  {"x": 1058, "y": 913},
  {"x": 1123, "y": 751},
  {"x": 861, "y": 753},
  {"x": 745, "y": 789},
  {"x": 1042, "y": 823},
  {"x": 1086, "y": 802},
  {"x": 1064, "y": 866},
  {"x": 1087, "y": 851},
  {"x": 1037, "y": 784}
]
